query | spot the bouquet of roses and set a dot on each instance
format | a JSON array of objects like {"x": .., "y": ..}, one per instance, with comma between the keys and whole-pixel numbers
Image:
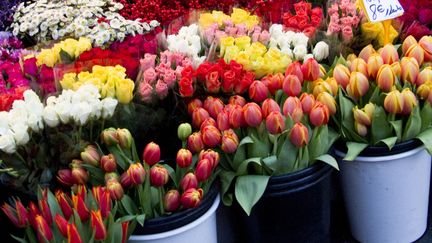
[{"x": 305, "y": 19}]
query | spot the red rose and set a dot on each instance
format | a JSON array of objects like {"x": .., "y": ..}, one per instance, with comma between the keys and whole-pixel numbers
[
  {"x": 222, "y": 64},
  {"x": 186, "y": 87},
  {"x": 317, "y": 12},
  {"x": 291, "y": 22},
  {"x": 243, "y": 84},
  {"x": 212, "y": 82},
  {"x": 309, "y": 31},
  {"x": 187, "y": 72},
  {"x": 131, "y": 66},
  {"x": 236, "y": 67},
  {"x": 302, "y": 6},
  {"x": 316, "y": 20},
  {"x": 228, "y": 81},
  {"x": 202, "y": 70},
  {"x": 302, "y": 12},
  {"x": 302, "y": 22}
]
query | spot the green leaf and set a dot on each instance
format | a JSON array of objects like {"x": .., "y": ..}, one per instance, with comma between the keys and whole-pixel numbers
[
  {"x": 226, "y": 178},
  {"x": 243, "y": 168},
  {"x": 328, "y": 159},
  {"x": 287, "y": 157},
  {"x": 129, "y": 205},
  {"x": 354, "y": 149},
  {"x": 65, "y": 57},
  {"x": 380, "y": 127},
  {"x": 426, "y": 116},
  {"x": 426, "y": 138},
  {"x": 22, "y": 240},
  {"x": 53, "y": 204},
  {"x": 413, "y": 125},
  {"x": 390, "y": 142},
  {"x": 140, "y": 219},
  {"x": 126, "y": 218},
  {"x": 271, "y": 163},
  {"x": 249, "y": 189},
  {"x": 375, "y": 97},
  {"x": 240, "y": 154},
  {"x": 97, "y": 176},
  {"x": 171, "y": 174},
  {"x": 318, "y": 141},
  {"x": 397, "y": 126},
  {"x": 119, "y": 158}
]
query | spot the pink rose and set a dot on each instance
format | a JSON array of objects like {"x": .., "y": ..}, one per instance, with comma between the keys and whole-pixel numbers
[
  {"x": 255, "y": 36},
  {"x": 146, "y": 92},
  {"x": 148, "y": 61},
  {"x": 334, "y": 18},
  {"x": 264, "y": 37},
  {"x": 347, "y": 33},
  {"x": 345, "y": 21},
  {"x": 178, "y": 71},
  {"x": 333, "y": 28},
  {"x": 241, "y": 29},
  {"x": 161, "y": 89},
  {"x": 170, "y": 78},
  {"x": 209, "y": 35},
  {"x": 355, "y": 20},
  {"x": 150, "y": 76},
  {"x": 219, "y": 34},
  {"x": 187, "y": 62},
  {"x": 162, "y": 67},
  {"x": 177, "y": 58},
  {"x": 231, "y": 31}
]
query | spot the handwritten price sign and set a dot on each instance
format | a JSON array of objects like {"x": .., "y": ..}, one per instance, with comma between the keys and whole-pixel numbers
[{"x": 379, "y": 10}]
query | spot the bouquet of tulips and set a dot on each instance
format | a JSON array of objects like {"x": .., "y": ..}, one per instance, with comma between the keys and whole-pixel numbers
[
  {"x": 82, "y": 217},
  {"x": 281, "y": 130},
  {"x": 147, "y": 189},
  {"x": 385, "y": 99}
]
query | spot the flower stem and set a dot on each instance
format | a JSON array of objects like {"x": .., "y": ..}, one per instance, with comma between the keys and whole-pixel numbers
[{"x": 161, "y": 200}]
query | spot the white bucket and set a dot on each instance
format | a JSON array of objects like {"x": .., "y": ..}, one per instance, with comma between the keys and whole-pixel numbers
[
  {"x": 387, "y": 196},
  {"x": 202, "y": 229}
]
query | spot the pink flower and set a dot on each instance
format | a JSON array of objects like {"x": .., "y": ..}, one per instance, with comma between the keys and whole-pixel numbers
[
  {"x": 170, "y": 78},
  {"x": 178, "y": 58},
  {"x": 146, "y": 91},
  {"x": 148, "y": 61},
  {"x": 150, "y": 76},
  {"x": 255, "y": 36},
  {"x": 228, "y": 22},
  {"x": 347, "y": 33},
  {"x": 333, "y": 28},
  {"x": 163, "y": 67},
  {"x": 219, "y": 34},
  {"x": 30, "y": 67},
  {"x": 187, "y": 62},
  {"x": 264, "y": 37},
  {"x": 345, "y": 21},
  {"x": 161, "y": 89},
  {"x": 209, "y": 35},
  {"x": 355, "y": 20},
  {"x": 231, "y": 31},
  {"x": 334, "y": 18},
  {"x": 178, "y": 71}
]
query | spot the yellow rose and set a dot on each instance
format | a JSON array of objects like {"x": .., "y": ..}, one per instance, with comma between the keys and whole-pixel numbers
[
  {"x": 109, "y": 89},
  {"x": 95, "y": 81},
  {"x": 124, "y": 90},
  {"x": 120, "y": 69},
  {"x": 230, "y": 53},
  {"x": 205, "y": 20},
  {"x": 83, "y": 76},
  {"x": 84, "y": 44},
  {"x": 224, "y": 43},
  {"x": 244, "y": 59},
  {"x": 219, "y": 17},
  {"x": 47, "y": 57},
  {"x": 68, "y": 80},
  {"x": 251, "y": 21},
  {"x": 256, "y": 50},
  {"x": 243, "y": 42},
  {"x": 69, "y": 46},
  {"x": 239, "y": 15}
]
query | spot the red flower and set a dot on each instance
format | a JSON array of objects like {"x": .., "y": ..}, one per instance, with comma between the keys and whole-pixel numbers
[
  {"x": 202, "y": 70},
  {"x": 236, "y": 67},
  {"x": 187, "y": 72},
  {"x": 243, "y": 84},
  {"x": 186, "y": 88},
  {"x": 228, "y": 79}
]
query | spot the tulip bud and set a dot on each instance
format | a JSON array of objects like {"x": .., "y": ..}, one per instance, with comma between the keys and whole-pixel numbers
[
  {"x": 366, "y": 52},
  {"x": 269, "y": 105},
  {"x": 211, "y": 136},
  {"x": 151, "y": 154},
  {"x": 195, "y": 103},
  {"x": 81, "y": 207},
  {"x": 17, "y": 215},
  {"x": 184, "y": 158},
  {"x": 359, "y": 65},
  {"x": 275, "y": 122},
  {"x": 409, "y": 70},
  {"x": 361, "y": 117},
  {"x": 43, "y": 230},
  {"x": 237, "y": 100},
  {"x": 171, "y": 201},
  {"x": 358, "y": 85},
  {"x": 222, "y": 121},
  {"x": 369, "y": 108},
  {"x": 198, "y": 116},
  {"x": 108, "y": 163},
  {"x": 373, "y": 64},
  {"x": 409, "y": 101},
  {"x": 319, "y": 114},
  {"x": 342, "y": 75},
  {"x": 203, "y": 170},
  {"x": 109, "y": 137},
  {"x": 115, "y": 190},
  {"x": 389, "y": 54},
  {"x": 191, "y": 198},
  {"x": 91, "y": 155},
  {"x": 323, "y": 71},
  {"x": 45, "y": 210},
  {"x": 65, "y": 204},
  {"x": 103, "y": 200},
  {"x": 252, "y": 114},
  {"x": 328, "y": 100},
  {"x": 333, "y": 85},
  {"x": 188, "y": 181},
  {"x": 407, "y": 43},
  {"x": 310, "y": 69},
  {"x": 159, "y": 175},
  {"x": 230, "y": 141},
  {"x": 195, "y": 142},
  {"x": 125, "y": 138},
  {"x": 397, "y": 70},
  {"x": 295, "y": 69},
  {"x": 385, "y": 78},
  {"x": 236, "y": 117},
  {"x": 258, "y": 91},
  {"x": 293, "y": 108},
  {"x": 79, "y": 174},
  {"x": 98, "y": 225},
  {"x": 425, "y": 76},
  {"x": 299, "y": 135},
  {"x": 136, "y": 173},
  {"x": 61, "y": 224},
  {"x": 320, "y": 86},
  {"x": 213, "y": 106},
  {"x": 65, "y": 177},
  {"x": 112, "y": 175},
  {"x": 72, "y": 234},
  {"x": 291, "y": 85},
  {"x": 211, "y": 155},
  {"x": 208, "y": 122},
  {"x": 393, "y": 102},
  {"x": 183, "y": 131},
  {"x": 417, "y": 52},
  {"x": 33, "y": 211},
  {"x": 307, "y": 102},
  {"x": 426, "y": 43},
  {"x": 360, "y": 129}
]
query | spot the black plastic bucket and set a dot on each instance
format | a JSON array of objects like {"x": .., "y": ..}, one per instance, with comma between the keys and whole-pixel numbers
[
  {"x": 294, "y": 208},
  {"x": 177, "y": 220}
]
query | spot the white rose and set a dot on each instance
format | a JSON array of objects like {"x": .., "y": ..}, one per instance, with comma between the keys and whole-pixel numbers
[
  {"x": 63, "y": 110},
  {"x": 108, "y": 107},
  {"x": 81, "y": 113},
  {"x": 300, "y": 39},
  {"x": 96, "y": 107},
  {"x": 50, "y": 116},
  {"x": 321, "y": 51},
  {"x": 4, "y": 119},
  {"x": 276, "y": 30},
  {"x": 20, "y": 134},
  {"x": 300, "y": 51},
  {"x": 7, "y": 144},
  {"x": 287, "y": 51},
  {"x": 193, "y": 29},
  {"x": 180, "y": 46}
]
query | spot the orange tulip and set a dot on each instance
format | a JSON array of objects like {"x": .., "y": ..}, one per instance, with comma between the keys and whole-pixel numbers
[
  {"x": 385, "y": 78},
  {"x": 426, "y": 43},
  {"x": 319, "y": 115},
  {"x": 409, "y": 70},
  {"x": 409, "y": 101},
  {"x": 417, "y": 52},
  {"x": 374, "y": 62},
  {"x": 328, "y": 100},
  {"x": 366, "y": 52},
  {"x": 358, "y": 85},
  {"x": 407, "y": 43},
  {"x": 359, "y": 65},
  {"x": 299, "y": 135},
  {"x": 389, "y": 54},
  {"x": 394, "y": 102},
  {"x": 342, "y": 75},
  {"x": 425, "y": 76}
]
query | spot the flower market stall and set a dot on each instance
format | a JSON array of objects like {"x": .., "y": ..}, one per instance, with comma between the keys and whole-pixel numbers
[{"x": 215, "y": 121}]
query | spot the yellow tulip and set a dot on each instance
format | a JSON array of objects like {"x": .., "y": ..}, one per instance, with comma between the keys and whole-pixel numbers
[{"x": 124, "y": 90}]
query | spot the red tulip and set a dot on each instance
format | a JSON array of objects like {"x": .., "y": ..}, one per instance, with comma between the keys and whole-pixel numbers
[
  {"x": 310, "y": 69},
  {"x": 195, "y": 142},
  {"x": 189, "y": 181},
  {"x": 115, "y": 189},
  {"x": 230, "y": 141},
  {"x": 198, "y": 116},
  {"x": 275, "y": 122},
  {"x": 192, "y": 105},
  {"x": 66, "y": 178},
  {"x": 236, "y": 117},
  {"x": 108, "y": 163},
  {"x": 45, "y": 210},
  {"x": 269, "y": 105},
  {"x": 252, "y": 114},
  {"x": 295, "y": 68},
  {"x": 292, "y": 85},
  {"x": 17, "y": 215},
  {"x": 274, "y": 82},
  {"x": 258, "y": 91},
  {"x": 211, "y": 136},
  {"x": 159, "y": 175},
  {"x": 299, "y": 135},
  {"x": 32, "y": 213},
  {"x": 307, "y": 101},
  {"x": 172, "y": 201},
  {"x": 72, "y": 234},
  {"x": 328, "y": 100},
  {"x": 203, "y": 170},
  {"x": 65, "y": 203},
  {"x": 208, "y": 122},
  {"x": 213, "y": 106},
  {"x": 293, "y": 108},
  {"x": 191, "y": 198},
  {"x": 223, "y": 121},
  {"x": 184, "y": 158},
  {"x": 151, "y": 154},
  {"x": 43, "y": 230},
  {"x": 319, "y": 114},
  {"x": 62, "y": 224},
  {"x": 136, "y": 173},
  {"x": 81, "y": 207},
  {"x": 98, "y": 225},
  {"x": 211, "y": 155},
  {"x": 103, "y": 200}
]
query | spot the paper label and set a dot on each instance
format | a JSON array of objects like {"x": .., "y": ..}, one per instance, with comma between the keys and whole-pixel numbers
[{"x": 379, "y": 10}]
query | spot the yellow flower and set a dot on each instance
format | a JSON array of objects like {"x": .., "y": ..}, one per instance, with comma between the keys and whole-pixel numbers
[
  {"x": 243, "y": 42},
  {"x": 244, "y": 59},
  {"x": 96, "y": 82},
  {"x": 375, "y": 31},
  {"x": 84, "y": 76},
  {"x": 84, "y": 44},
  {"x": 230, "y": 53},
  {"x": 224, "y": 43},
  {"x": 69, "y": 46},
  {"x": 219, "y": 17},
  {"x": 205, "y": 20},
  {"x": 109, "y": 89},
  {"x": 124, "y": 90},
  {"x": 239, "y": 15},
  {"x": 251, "y": 21},
  {"x": 68, "y": 80},
  {"x": 77, "y": 85},
  {"x": 257, "y": 49},
  {"x": 262, "y": 67},
  {"x": 47, "y": 57}
]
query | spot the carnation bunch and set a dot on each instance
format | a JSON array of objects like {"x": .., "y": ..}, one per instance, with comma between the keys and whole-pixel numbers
[
  {"x": 11, "y": 48},
  {"x": 99, "y": 21},
  {"x": 416, "y": 20}
]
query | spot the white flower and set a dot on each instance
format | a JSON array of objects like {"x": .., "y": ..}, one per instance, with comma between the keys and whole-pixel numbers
[
  {"x": 321, "y": 51},
  {"x": 286, "y": 50},
  {"x": 20, "y": 134},
  {"x": 108, "y": 107},
  {"x": 63, "y": 111},
  {"x": 307, "y": 57},
  {"x": 35, "y": 122},
  {"x": 276, "y": 30},
  {"x": 7, "y": 144},
  {"x": 300, "y": 51},
  {"x": 50, "y": 116},
  {"x": 300, "y": 39},
  {"x": 81, "y": 113},
  {"x": 115, "y": 23}
]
